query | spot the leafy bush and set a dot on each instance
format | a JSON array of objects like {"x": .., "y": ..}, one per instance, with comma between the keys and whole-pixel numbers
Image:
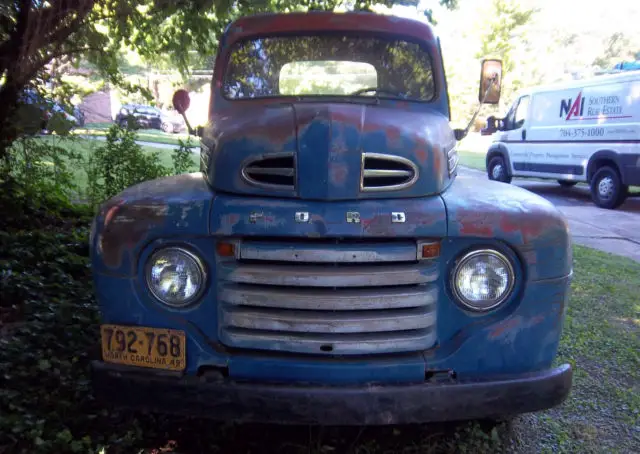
[
  {"x": 42, "y": 167},
  {"x": 182, "y": 157},
  {"x": 122, "y": 163}
]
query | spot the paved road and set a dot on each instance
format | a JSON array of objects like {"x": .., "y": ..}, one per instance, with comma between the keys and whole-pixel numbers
[{"x": 616, "y": 231}]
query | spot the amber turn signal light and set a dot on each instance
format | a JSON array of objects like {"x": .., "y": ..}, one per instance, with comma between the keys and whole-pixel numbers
[
  {"x": 428, "y": 250},
  {"x": 226, "y": 249}
]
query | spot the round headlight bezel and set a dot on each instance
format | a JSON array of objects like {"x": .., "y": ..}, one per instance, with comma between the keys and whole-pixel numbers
[
  {"x": 472, "y": 306},
  {"x": 187, "y": 303}
]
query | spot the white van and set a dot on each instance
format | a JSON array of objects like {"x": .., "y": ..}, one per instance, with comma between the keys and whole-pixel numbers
[{"x": 583, "y": 130}]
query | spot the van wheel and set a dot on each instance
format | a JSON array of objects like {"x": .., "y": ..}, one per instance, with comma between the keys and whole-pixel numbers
[
  {"x": 167, "y": 127},
  {"x": 567, "y": 183},
  {"x": 607, "y": 190},
  {"x": 497, "y": 170}
]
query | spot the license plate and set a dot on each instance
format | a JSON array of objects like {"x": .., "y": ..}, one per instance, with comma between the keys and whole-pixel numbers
[{"x": 144, "y": 347}]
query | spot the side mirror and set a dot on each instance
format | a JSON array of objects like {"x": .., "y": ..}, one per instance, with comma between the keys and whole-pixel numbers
[
  {"x": 492, "y": 126},
  {"x": 459, "y": 134},
  {"x": 181, "y": 102},
  {"x": 490, "y": 82}
]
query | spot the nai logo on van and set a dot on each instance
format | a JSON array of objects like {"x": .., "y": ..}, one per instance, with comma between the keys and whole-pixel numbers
[
  {"x": 591, "y": 107},
  {"x": 575, "y": 109}
]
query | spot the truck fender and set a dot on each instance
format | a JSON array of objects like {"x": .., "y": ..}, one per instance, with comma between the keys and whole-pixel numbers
[
  {"x": 498, "y": 149},
  {"x": 601, "y": 156}
]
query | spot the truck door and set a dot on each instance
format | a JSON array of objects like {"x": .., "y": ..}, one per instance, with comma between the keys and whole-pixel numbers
[{"x": 516, "y": 136}]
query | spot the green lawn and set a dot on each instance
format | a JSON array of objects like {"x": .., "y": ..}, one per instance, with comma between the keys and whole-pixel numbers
[
  {"x": 473, "y": 160},
  {"x": 601, "y": 340},
  {"x": 146, "y": 135}
]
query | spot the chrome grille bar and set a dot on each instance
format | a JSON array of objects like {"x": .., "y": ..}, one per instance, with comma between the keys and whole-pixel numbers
[
  {"x": 323, "y": 276},
  {"x": 327, "y": 299}
]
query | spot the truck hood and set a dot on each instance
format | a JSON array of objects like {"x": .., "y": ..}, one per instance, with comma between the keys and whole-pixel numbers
[{"x": 320, "y": 151}]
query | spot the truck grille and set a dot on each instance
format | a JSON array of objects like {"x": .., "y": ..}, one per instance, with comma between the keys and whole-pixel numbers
[
  {"x": 381, "y": 172},
  {"x": 323, "y": 298},
  {"x": 276, "y": 171}
]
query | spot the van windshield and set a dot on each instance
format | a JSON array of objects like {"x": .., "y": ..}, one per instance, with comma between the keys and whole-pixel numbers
[{"x": 329, "y": 65}]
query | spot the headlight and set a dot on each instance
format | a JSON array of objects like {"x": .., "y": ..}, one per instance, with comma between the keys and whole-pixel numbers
[
  {"x": 483, "y": 279},
  {"x": 175, "y": 276}
]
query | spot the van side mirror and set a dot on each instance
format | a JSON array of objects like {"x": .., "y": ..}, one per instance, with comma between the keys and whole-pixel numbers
[
  {"x": 493, "y": 125},
  {"x": 490, "y": 81}
]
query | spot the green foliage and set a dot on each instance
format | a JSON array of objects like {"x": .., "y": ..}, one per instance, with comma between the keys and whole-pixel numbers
[
  {"x": 618, "y": 48},
  {"x": 503, "y": 32},
  {"x": 495, "y": 29},
  {"x": 42, "y": 167},
  {"x": 182, "y": 157},
  {"x": 120, "y": 163},
  {"x": 507, "y": 16}
]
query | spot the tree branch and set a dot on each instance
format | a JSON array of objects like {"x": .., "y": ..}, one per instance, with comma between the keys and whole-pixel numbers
[{"x": 70, "y": 52}]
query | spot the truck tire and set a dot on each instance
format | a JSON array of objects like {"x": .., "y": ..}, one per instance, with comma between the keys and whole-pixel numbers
[
  {"x": 567, "y": 183},
  {"x": 497, "y": 170},
  {"x": 607, "y": 190}
]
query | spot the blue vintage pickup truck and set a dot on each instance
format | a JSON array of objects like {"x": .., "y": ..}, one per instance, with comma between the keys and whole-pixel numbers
[{"x": 328, "y": 265}]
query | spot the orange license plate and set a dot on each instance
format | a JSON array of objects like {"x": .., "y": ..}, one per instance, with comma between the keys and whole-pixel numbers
[{"x": 158, "y": 348}]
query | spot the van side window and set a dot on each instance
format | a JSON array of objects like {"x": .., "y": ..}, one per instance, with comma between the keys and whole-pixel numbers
[{"x": 521, "y": 112}]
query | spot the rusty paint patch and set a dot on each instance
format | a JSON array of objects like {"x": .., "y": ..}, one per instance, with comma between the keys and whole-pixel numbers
[
  {"x": 530, "y": 227},
  {"x": 437, "y": 153},
  {"x": 338, "y": 173},
  {"x": 504, "y": 326},
  {"x": 424, "y": 219},
  {"x": 393, "y": 134},
  {"x": 475, "y": 223},
  {"x": 509, "y": 328},
  {"x": 128, "y": 227},
  {"x": 421, "y": 155}
]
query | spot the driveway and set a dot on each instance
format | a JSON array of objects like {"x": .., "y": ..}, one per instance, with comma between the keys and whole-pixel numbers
[{"x": 616, "y": 231}]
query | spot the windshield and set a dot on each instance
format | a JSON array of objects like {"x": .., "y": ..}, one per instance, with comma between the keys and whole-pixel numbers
[{"x": 329, "y": 65}]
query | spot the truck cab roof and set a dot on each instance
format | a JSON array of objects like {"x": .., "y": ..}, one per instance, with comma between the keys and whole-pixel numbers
[{"x": 270, "y": 23}]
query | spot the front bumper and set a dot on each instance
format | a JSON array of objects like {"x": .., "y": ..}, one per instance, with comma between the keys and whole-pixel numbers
[{"x": 226, "y": 399}]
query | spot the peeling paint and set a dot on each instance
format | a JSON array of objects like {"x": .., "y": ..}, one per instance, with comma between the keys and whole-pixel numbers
[
  {"x": 127, "y": 221},
  {"x": 518, "y": 217},
  {"x": 328, "y": 140},
  {"x": 130, "y": 225}
]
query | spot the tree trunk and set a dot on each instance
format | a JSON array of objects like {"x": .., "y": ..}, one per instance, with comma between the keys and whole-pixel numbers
[{"x": 9, "y": 94}]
